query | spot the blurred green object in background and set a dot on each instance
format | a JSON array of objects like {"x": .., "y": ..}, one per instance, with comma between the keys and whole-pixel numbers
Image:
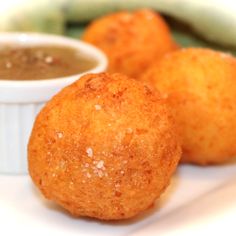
[
  {"x": 213, "y": 20},
  {"x": 32, "y": 16}
]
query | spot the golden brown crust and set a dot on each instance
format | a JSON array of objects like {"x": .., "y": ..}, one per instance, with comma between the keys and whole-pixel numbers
[
  {"x": 132, "y": 41},
  {"x": 201, "y": 88},
  {"x": 104, "y": 147}
]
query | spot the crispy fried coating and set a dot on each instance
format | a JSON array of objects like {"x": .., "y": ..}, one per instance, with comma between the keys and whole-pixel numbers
[
  {"x": 104, "y": 147},
  {"x": 132, "y": 41},
  {"x": 201, "y": 88}
]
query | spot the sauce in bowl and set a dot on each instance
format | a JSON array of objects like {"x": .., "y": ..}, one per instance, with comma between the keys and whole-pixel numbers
[
  {"x": 33, "y": 68},
  {"x": 42, "y": 62}
]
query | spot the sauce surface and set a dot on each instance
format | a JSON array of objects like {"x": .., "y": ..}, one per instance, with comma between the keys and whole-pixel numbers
[{"x": 42, "y": 62}]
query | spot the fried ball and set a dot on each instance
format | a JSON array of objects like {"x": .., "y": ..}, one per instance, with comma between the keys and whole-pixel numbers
[
  {"x": 131, "y": 41},
  {"x": 104, "y": 147},
  {"x": 201, "y": 88}
]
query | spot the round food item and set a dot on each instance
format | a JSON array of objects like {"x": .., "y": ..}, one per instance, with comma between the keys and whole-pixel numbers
[
  {"x": 131, "y": 41},
  {"x": 104, "y": 147},
  {"x": 201, "y": 88}
]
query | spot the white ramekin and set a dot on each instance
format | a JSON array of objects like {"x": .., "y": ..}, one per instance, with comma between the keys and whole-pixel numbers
[{"x": 20, "y": 101}]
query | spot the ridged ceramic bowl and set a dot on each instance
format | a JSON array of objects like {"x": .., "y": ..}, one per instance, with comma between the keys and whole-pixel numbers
[{"x": 20, "y": 101}]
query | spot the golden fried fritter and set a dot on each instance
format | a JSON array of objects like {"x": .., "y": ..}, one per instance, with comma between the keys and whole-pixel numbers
[
  {"x": 131, "y": 41},
  {"x": 104, "y": 147},
  {"x": 201, "y": 88}
]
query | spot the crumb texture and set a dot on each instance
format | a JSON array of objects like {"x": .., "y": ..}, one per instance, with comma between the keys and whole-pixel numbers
[{"x": 108, "y": 163}]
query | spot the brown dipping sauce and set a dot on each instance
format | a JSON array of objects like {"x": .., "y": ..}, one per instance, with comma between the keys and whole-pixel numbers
[{"x": 42, "y": 62}]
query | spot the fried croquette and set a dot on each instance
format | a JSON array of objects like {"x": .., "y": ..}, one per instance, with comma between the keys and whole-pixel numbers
[
  {"x": 104, "y": 147},
  {"x": 131, "y": 41},
  {"x": 201, "y": 88}
]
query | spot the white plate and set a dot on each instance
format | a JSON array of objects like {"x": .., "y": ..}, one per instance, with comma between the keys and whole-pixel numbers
[{"x": 199, "y": 201}]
